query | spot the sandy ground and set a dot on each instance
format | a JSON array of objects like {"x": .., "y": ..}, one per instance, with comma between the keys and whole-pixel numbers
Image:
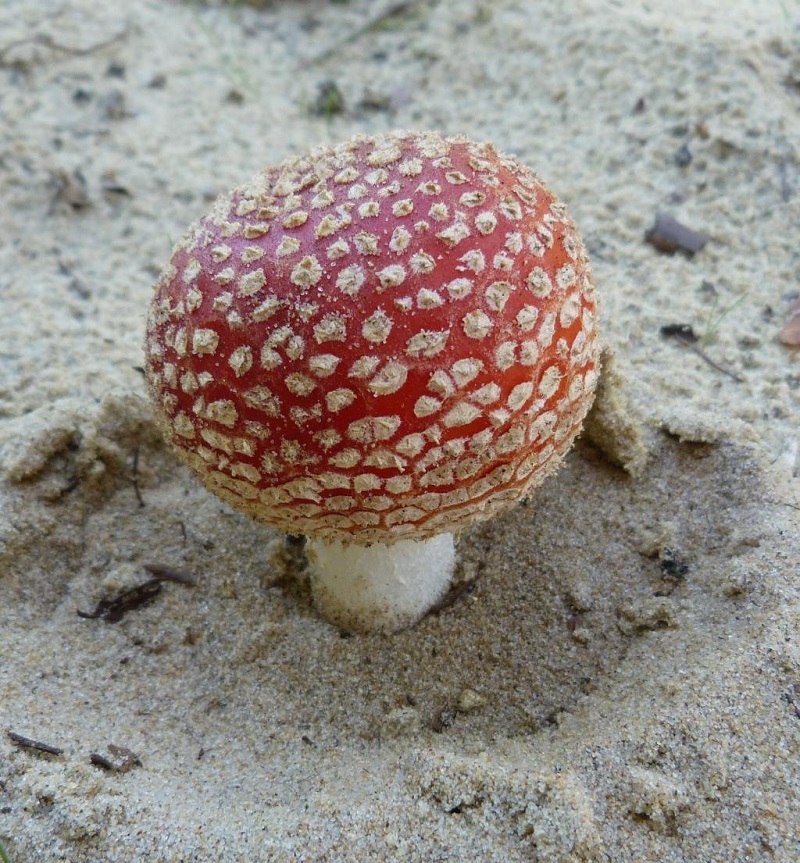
[{"x": 620, "y": 680}]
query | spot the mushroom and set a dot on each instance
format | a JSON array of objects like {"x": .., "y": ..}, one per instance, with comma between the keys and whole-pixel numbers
[{"x": 375, "y": 345}]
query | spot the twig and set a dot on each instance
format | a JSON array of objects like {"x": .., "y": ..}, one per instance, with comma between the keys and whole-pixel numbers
[
  {"x": 392, "y": 11},
  {"x": 29, "y": 743},
  {"x": 48, "y": 42},
  {"x": 135, "y": 478},
  {"x": 704, "y": 356}
]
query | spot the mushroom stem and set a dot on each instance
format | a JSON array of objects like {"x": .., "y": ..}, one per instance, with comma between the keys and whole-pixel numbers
[{"x": 380, "y": 588}]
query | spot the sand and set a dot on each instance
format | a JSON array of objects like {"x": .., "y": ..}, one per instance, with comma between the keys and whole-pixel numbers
[{"x": 620, "y": 678}]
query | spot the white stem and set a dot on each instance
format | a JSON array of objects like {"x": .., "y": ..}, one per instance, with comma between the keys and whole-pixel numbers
[{"x": 380, "y": 588}]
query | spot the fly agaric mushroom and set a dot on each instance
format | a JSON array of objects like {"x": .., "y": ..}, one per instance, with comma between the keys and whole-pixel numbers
[{"x": 374, "y": 345}]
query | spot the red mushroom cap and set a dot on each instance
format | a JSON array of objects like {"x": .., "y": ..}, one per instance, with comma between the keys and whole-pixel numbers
[{"x": 382, "y": 340}]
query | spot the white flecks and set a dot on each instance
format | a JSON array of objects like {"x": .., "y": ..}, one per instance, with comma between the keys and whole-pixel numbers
[
  {"x": 398, "y": 484},
  {"x": 402, "y": 207},
  {"x": 514, "y": 242},
  {"x": 192, "y": 270},
  {"x": 221, "y": 253},
  {"x": 306, "y": 311},
  {"x": 347, "y": 175},
  {"x": 251, "y": 283},
  {"x": 510, "y": 208},
  {"x": 247, "y": 471},
  {"x": 350, "y": 279},
  {"x": 269, "y": 358},
  {"x": 547, "y": 330},
  {"x": 572, "y": 246},
  {"x": 512, "y": 440},
  {"x": 459, "y": 288},
  {"x": 391, "y": 276},
  {"x": 439, "y": 212},
  {"x": 527, "y": 317},
  {"x": 487, "y": 394},
  {"x": 477, "y": 324},
  {"x": 421, "y": 263},
  {"x": 339, "y": 399},
  {"x": 295, "y": 220},
  {"x": 375, "y": 178},
  {"x": 255, "y": 229},
  {"x": 497, "y": 295},
  {"x": 428, "y": 299},
  {"x": 542, "y": 427},
  {"x": 170, "y": 374},
  {"x": 323, "y": 198},
  {"x": 410, "y": 168},
  {"x": 327, "y": 225},
  {"x": 331, "y": 480},
  {"x": 539, "y": 283},
  {"x": 389, "y": 379},
  {"x": 376, "y": 327},
  {"x": 363, "y": 367},
  {"x": 225, "y": 277},
  {"x": 245, "y": 207},
  {"x": 204, "y": 341},
  {"x": 180, "y": 342},
  {"x": 385, "y": 153},
  {"x": 461, "y": 414},
  {"x": 499, "y": 417},
  {"x": 535, "y": 246},
  {"x": 332, "y": 328},
  {"x": 222, "y": 411},
  {"x": 287, "y": 246},
  {"x": 429, "y": 187},
  {"x": 217, "y": 440},
  {"x": 357, "y": 190},
  {"x": 565, "y": 277},
  {"x": 505, "y": 355},
  {"x": 370, "y": 429},
  {"x": 473, "y": 260},
  {"x": 241, "y": 360},
  {"x": 519, "y": 395},
  {"x": 427, "y": 343},
  {"x": 306, "y": 272},
  {"x": 529, "y": 353},
  {"x": 426, "y": 405},
  {"x": 262, "y": 399},
  {"x": 369, "y": 209},
  {"x": 401, "y": 238},
  {"x": 569, "y": 311},
  {"x": 183, "y": 426},
  {"x": 327, "y": 438},
  {"x": 411, "y": 445},
  {"x": 366, "y": 243},
  {"x": 404, "y": 304},
  {"x": 299, "y": 384},
  {"x": 194, "y": 299},
  {"x": 441, "y": 384},
  {"x": 222, "y": 302},
  {"x": 501, "y": 261},
  {"x": 338, "y": 249},
  {"x": 366, "y": 482},
  {"x": 251, "y": 253},
  {"x": 464, "y": 371},
  {"x": 486, "y": 222},
  {"x": 475, "y": 199},
  {"x": 550, "y": 381},
  {"x": 323, "y": 365},
  {"x": 455, "y": 233}
]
